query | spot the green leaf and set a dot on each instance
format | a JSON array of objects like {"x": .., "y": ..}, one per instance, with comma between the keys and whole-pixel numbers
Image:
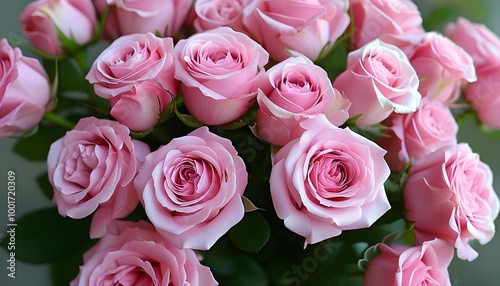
[
  {"x": 251, "y": 233},
  {"x": 249, "y": 205},
  {"x": 44, "y": 236},
  {"x": 36, "y": 147},
  {"x": 45, "y": 186},
  {"x": 63, "y": 271}
]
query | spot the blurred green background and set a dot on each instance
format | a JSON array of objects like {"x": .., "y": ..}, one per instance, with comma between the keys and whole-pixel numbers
[{"x": 485, "y": 270}]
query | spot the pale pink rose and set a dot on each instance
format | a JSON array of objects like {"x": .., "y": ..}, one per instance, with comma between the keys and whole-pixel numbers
[
  {"x": 449, "y": 195},
  {"x": 131, "y": 60},
  {"x": 285, "y": 27},
  {"x": 397, "y": 22},
  {"x": 192, "y": 188},
  {"x": 425, "y": 264},
  {"x": 41, "y": 20},
  {"x": 211, "y": 14},
  {"x": 442, "y": 66},
  {"x": 140, "y": 108},
  {"x": 292, "y": 91},
  {"x": 484, "y": 95},
  {"x": 219, "y": 70},
  {"x": 133, "y": 253},
  {"x": 378, "y": 80},
  {"x": 413, "y": 136},
  {"x": 92, "y": 169},
  {"x": 328, "y": 180},
  {"x": 477, "y": 40},
  {"x": 24, "y": 91},
  {"x": 163, "y": 17}
]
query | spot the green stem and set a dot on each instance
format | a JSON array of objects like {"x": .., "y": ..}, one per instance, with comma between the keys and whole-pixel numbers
[
  {"x": 58, "y": 120},
  {"x": 80, "y": 57}
]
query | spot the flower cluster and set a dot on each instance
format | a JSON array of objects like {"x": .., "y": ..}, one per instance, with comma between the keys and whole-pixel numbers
[{"x": 213, "y": 133}]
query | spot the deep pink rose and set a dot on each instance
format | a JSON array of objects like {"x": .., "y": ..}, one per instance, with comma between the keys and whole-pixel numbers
[
  {"x": 191, "y": 188},
  {"x": 292, "y": 91},
  {"x": 126, "y": 17},
  {"x": 133, "y": 253},
  {"x": 397, "y": 22},
  {"x": 211, "y": 14},
  {"x": 92, "y": 169},
  {"x": 140, "y": 108},
  {"x": 378, "y": 80},
  {"x": 415, "y": 135},
  {"x": 477, "y": 40},
  {"x": 443, "y": 67},
  {"x": 132, "y": 60},
  {"x": 328, "y": 180},
  {"x": 484, "y": 95},
  {"x": 449, "y": 195},
  {"x": 41, "y": 20},
  {"x": 219, "y": 70},
  {"x": 307, "y": 27},
  {"x": 24, "y": 91},
  {"x": 425, "y": 264}
]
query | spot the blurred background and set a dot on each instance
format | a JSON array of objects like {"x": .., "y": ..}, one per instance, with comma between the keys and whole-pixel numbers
[{"x": 485, "y": 270}]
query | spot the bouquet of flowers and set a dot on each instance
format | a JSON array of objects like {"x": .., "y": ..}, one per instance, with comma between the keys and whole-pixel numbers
[{"x": 250, "y": 142}]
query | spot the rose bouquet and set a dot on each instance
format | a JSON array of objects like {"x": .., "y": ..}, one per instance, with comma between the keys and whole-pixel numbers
[{"x": 250, "y": 142}]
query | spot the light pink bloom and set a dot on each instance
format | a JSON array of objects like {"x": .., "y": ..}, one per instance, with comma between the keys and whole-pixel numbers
[
  {"x": 328, "y": 180},
  {"x": 425, "y": 264},
  {"x": 131, "y": 60},
  {"x": 92, "y": 169},
  {"x": 442, "y": 66},
  {"x": 24, "y": 91},
  {"x": 292, "y": 91},
  {"x": 41, "y": 20},
  {"x": 477, "y": 40},
  {"x": 397, "y": 22},
  {"x": 191, "y": 188},
  {"x": 140, "y": 108},
  {"x": 378, "y": 80},
  {"x": 285, "y": 27},
  {"x": 133, "y": 253},
  {"x": 126, "y": 17},
  {"x": 449, "y": 195},
  {"x": 413, "y": 136},
  {"x": 219, "y": 70},
  {"x": 484, "y": 95},
  {"x": 211, "y": 14}
]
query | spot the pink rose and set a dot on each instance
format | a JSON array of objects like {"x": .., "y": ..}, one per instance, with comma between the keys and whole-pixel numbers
[
  {"x": 449, "y": 195},
  {"x": 292, "y": 91},
  {"x": 92, "y": 169},
  {"x": 219, "y": 70},
  {"x": 328, "y": 180},
  {"x": 415, "y": 135},
  {"x": 211, "y": 14},
  {"x": 378, "y": 80},
  {"x": 443, "y": 66},
  {"x": 484, "y": 95},
  {"x": 132, "y": 60},
  {"x": 425, "y": 264},
  {"x": 308, "y": 27},
  {"x": 163, "y": 17},
  {"x": 133, "y": 253},
  {"x": 140, "y": 108},
  {"x": 477, "y": 40},
  {"x": 397, "y": 22},
  {"x": 24, "y": 91},
  {"x": 41, "y": 20},
  {"x": 191, "y": 188}
]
